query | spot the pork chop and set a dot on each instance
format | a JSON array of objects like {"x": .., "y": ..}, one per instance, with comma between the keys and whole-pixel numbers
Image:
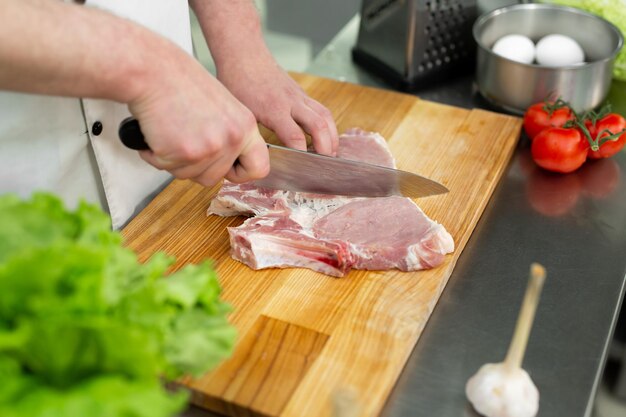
[{"x": 333, "y": 234}]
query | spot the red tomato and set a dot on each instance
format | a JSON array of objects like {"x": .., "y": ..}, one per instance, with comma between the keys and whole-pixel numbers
[
  {"x": 538, "y": 118},
  {"x": 559, "y": 150},
  {"x": 614, "y": 123}
]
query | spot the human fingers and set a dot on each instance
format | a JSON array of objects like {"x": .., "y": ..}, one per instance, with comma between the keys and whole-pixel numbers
[
  {"x": 287, "y": 130},
  {"x": 186, "y": 158},
  {"x": 206, "y": 172},
  {"x": 314, "y": 125},
  {"x": 330, "y": 121},
  {"x": 158, "y": 161},
  {"x": 253, "y": 162}
]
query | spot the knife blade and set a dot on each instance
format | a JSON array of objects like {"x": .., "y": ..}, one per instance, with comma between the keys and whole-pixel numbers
[{"x": 295, "y": 170}]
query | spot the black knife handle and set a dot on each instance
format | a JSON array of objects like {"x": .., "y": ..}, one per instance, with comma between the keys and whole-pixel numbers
[{"x": 131, "y": 135}]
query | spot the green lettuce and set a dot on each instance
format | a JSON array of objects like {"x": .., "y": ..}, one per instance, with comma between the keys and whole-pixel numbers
[
  {"x": 87, "y": 330},
  {"x": 612, "y": 10}
]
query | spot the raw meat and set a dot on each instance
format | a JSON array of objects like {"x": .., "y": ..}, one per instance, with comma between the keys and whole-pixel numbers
[{"x": 333, "y": 234}]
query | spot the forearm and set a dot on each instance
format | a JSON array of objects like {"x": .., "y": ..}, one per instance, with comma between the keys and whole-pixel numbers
[
  {"x": 246, "y": 67},
  {"x": 50, "y": 47},
  {"x": 232, "y": 30}
]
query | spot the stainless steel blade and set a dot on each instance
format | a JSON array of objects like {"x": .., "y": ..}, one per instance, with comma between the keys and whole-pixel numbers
[{"x": 295, "y": 170}]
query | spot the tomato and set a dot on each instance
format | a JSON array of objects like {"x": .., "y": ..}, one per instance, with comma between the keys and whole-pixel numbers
[
  {"x": 614, "y": 123},
  {"x": 538, "y": 117},
  {"x": 560, "y": 150}
]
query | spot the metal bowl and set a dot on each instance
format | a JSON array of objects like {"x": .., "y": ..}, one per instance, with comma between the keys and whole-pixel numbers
[{"x": 515, "y": 86}]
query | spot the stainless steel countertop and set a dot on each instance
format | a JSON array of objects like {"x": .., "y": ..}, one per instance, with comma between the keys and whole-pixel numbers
[{"x": 583, "y": 249}]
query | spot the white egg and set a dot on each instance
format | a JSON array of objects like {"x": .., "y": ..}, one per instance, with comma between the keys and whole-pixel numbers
[
  {"x": 516, "y": 48},
  {"x": 559, "y": 51}
]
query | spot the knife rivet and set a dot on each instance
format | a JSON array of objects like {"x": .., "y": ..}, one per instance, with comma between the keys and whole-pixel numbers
[{"x": 96, "y": 128}]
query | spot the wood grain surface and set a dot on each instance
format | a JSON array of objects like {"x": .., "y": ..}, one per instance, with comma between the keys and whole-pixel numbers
[{"x": 310, "y": 344}]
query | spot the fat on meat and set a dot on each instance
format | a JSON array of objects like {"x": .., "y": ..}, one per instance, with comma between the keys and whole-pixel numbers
[{"x": 332, "y": 234}]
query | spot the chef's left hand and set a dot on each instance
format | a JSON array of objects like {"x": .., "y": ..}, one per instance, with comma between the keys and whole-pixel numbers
[
  {"x": 279, "y": 103},
  {"x": 246, "y": 67}
]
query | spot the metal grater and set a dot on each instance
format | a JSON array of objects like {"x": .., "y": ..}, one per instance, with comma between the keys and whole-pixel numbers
[{"x": 410, "y": 43}]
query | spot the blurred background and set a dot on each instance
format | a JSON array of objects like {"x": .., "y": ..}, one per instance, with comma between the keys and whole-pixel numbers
[{"x": 296, "y": 31}]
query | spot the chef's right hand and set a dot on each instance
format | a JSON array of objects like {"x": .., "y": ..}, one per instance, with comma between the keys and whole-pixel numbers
[{"x": 195, "y": 128}]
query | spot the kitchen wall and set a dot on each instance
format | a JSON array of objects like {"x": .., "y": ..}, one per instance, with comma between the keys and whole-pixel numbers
[
  {"x": 294, "y": 30},
  {"x": 315, "y": 20}
]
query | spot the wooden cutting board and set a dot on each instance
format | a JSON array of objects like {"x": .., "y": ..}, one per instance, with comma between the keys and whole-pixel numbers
[{"x": 310, "y": 344}]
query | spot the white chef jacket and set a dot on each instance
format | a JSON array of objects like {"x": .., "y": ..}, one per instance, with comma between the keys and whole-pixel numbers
[{"x": 49, "y": 143}]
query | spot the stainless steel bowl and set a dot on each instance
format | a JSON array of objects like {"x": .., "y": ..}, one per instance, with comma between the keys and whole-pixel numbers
[{"x": 515, "y": 86}]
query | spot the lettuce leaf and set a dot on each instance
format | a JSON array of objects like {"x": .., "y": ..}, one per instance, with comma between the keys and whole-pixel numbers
[{"x": 85, "y": 329}]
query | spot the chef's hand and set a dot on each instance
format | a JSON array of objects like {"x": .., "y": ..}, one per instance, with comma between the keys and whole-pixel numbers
[
  {"x": 193, "y": 125},
  {"x": 279, "y": 103},
  {"x": 195, "y": 128},
  {"x": 246, "y": 67}
]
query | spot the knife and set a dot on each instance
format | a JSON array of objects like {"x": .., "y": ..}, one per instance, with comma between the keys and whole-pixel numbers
[{"x": 295, "y": 170}]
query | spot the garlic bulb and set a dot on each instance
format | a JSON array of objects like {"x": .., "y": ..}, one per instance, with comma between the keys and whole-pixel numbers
[
  {"x": 497, "y": 391},
  {"x": 505, "y": 389}
]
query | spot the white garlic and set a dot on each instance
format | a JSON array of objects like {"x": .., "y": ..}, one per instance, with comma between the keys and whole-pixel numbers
[
  {"x": 505, "y": 389},
  {"x": 498, "y": 391}
]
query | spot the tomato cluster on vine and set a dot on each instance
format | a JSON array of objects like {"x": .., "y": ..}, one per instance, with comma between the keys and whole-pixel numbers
[{"x": 562, "y": 139}]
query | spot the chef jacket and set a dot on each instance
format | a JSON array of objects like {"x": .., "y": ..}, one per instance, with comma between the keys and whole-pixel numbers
[{"x": 70, "y": 146}]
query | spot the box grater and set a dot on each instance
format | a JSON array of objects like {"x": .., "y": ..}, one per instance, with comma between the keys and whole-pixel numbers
[{"x": 413, "y": 42}]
